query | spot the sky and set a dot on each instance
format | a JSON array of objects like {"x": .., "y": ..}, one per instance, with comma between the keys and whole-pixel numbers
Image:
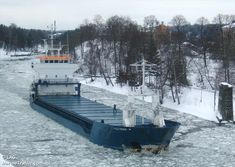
[{"x": 69, "y": 14}]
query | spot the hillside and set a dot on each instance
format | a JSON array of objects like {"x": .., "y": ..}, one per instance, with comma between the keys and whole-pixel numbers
[{"x": 199, "y": 98}]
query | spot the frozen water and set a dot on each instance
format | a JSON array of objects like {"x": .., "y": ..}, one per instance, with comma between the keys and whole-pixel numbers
[{"x": 33, "y": 138}]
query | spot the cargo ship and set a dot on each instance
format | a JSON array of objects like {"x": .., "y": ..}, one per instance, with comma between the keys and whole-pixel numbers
[{"x": 56, "y": 94}]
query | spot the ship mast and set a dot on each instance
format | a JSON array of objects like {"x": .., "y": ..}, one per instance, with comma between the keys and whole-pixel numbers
[
  {"x": 53, "y": 30},
  {"x": 143, "y": 73},
  {"x": 156, "y": 115}
]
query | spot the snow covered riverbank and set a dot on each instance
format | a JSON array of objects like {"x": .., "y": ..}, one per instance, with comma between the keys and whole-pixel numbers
[
  {"x": 3, "y": 54},
  {"x": 194, "y": 101},
  {"x": 14, "y": 55}
]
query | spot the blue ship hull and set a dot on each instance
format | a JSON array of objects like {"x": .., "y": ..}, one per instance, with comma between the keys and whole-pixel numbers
[
  {"x": 146, "y": 136},
  {"x": 102, "y": 124}
]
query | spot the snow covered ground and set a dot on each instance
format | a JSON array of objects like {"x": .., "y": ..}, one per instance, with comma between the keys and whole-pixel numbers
[
  {"x": 194, "y": 101},
  {"x": 14, "y": 55},
  {"x": 100, "y": 83},
  {"x": 3, "y": 54}
]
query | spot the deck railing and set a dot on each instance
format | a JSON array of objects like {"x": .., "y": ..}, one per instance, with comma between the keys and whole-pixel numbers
[{"x": 68, "y": 81}]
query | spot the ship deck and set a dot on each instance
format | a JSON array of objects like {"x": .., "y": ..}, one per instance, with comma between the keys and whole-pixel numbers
[{"x": 90, "y": 109}]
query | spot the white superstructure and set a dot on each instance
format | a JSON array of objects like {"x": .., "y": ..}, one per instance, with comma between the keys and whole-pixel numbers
[{"x": 55, "y": 68}]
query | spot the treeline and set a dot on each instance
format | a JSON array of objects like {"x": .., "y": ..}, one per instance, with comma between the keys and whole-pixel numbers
[
  {"x": 129, "y": 41},
  {"x": 13, "y": 37},
  {"x": 109, "y": 47}
]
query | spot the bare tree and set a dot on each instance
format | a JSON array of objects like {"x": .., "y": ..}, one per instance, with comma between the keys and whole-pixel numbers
[
  {"x": 178, "y": 70},
  {"x": 162, "y": 36},
  {"x": 114, "y": 30},
  {"x": 202, "y": 21},
  {"x": 100, "y": 47},
  {"x": 150, "y": 25},
  {"x": 225, "y": 41},
  {"x": 178, "y": 36}
]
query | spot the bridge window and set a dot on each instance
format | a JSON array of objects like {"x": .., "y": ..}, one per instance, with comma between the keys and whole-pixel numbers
[{"x": 49, "y": 52}]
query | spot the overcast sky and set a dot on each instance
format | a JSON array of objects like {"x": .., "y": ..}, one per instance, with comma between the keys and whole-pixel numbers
[{"x": 70, "y": 13}]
